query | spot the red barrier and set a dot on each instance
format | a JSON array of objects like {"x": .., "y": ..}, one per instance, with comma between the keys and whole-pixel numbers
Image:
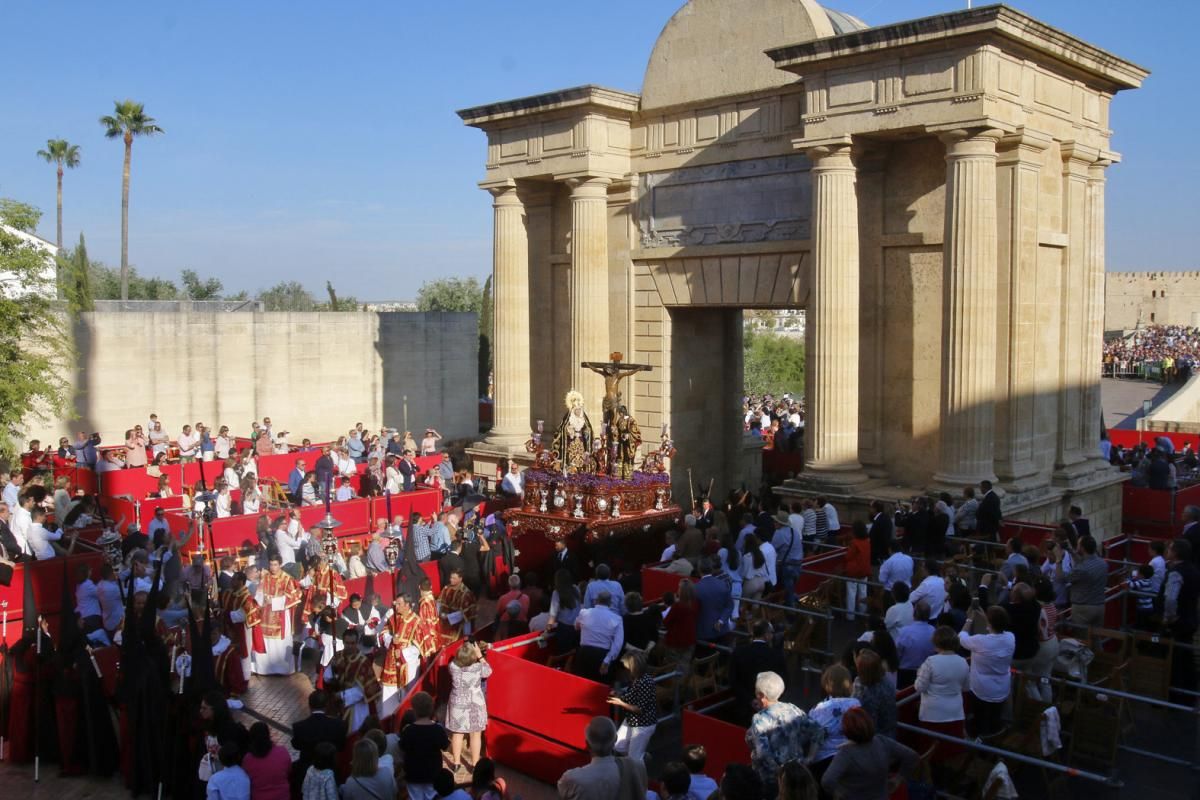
[
  {"x": 1030, "y": 533},
  {"x": 1128, "y": 438},
  {"x": 541, "y": 739},
  {"x": 47, "y": 578},
  {"x": 782, "y": 462},
  {"x": 657, "y": 581},
  {"x": 724, "y": 741},
  {"x": 817, "y": 567}
]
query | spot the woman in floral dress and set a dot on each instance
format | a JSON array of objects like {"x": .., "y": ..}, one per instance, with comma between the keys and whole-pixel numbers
[{"x": 466, "y": 713}]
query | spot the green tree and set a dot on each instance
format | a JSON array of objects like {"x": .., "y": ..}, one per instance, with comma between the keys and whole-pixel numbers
[
  {"x": 487, "y": 312},
  {"x": 75, "y": 277},
  {"x": 21, "y": 216},
  {"x": 287, "y": 296},
  {"x": 450, "y": 294},
  {"x": 61, "y": 153},
  {"x": 772, "y": 363},
  {"x": 127, "y": 121},
  {"x": 196, "y": 289},
  {"x": 32, "y": 386}
]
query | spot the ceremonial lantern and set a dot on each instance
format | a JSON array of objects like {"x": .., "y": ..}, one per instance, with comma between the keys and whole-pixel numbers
[
  {"x": 110, "y": 543},
  {"x": 329, "y": 545},
  {"x": 391, "y": 552}
]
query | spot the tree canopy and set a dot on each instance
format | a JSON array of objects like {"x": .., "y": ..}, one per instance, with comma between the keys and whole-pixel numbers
[
  {"x": 21, "y": 216},
  {"x": 196, "y": 288},
  {"x": 450, "y": 294},
  {"x": 33, "y": 343},
  {"x": 772, "y": 363}
]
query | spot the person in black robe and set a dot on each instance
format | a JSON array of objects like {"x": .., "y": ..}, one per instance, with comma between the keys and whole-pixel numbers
[{"x": 144, "y": 695}]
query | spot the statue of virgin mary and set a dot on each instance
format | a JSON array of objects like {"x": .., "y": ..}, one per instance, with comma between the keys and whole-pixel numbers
[{"x": 573, "y": 440}]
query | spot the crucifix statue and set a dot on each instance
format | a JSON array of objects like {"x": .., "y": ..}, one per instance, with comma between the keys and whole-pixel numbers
[{"x": 613, "y": 371}]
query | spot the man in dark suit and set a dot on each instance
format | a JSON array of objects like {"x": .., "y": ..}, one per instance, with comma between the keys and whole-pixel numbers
[
  {"x": 1191, "y": 530},
  {"x": 882, "y": 531},
  {"x": 714, "y": 601},
  {"x": 1079, "y": 521},
  {"x": 312, "y": 730},
  {"x": 565, "y": 559},
  {"x": 704, "y": 514},
  {"x": 749, "y": 659},
  {"x": 408, "y": 470},
  {"x": 11, "y": 547},
  {"x": 454, "y": 561},
  {"x": 987, "y": 518}
]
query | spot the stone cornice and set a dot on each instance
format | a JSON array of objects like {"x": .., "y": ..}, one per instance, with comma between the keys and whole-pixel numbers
[
  {"x": 998, "y": 20},
  {"x": 612, "y": 102}
]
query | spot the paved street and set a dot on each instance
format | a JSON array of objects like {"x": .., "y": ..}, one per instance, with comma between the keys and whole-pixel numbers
[{"x": 1122, "y": 400}]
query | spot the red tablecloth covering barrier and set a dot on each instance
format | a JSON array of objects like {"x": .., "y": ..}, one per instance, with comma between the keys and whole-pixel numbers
[
  {"x": 540, "y": 732},
  {"x": 79, "y": 478},
  {"x": 47, "y": 578},
  {"x": 656, "y": 581},
  {"x": 724, "y": 741},
  {"x": 1030, "y": 533},
  {"x": 143, "y": 510},
  {"x": 782, "y": 462},
  {"x": 818, "y": 566}
]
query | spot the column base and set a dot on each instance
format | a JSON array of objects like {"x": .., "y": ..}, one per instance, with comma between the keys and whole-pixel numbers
[
  {"x": 1080, "y": 473},
  {"x": 507, "y": 442},
  {"x": 841, "y": 476},
  {"x": 956, "y": 483}
]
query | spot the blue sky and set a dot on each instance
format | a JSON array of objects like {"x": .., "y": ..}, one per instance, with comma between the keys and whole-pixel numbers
[{"x": 314, "y": 140}]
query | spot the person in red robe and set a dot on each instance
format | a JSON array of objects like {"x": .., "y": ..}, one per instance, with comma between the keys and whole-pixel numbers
[
  {"x": 352, "y": 676},
  {"x": 400, "y": 635},
  {"x": 322, "y": 583},
  {"x": 278, "y": 595},
  {"x": 227, "y": 664},
  {"x": 456, "y": 609},
  {"x": 242, "y": 619},
  {"x": 429, "y": 624}
]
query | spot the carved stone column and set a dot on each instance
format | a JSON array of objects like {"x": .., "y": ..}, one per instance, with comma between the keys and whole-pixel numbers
[
  {"x": 510, "y": 262},
  {"x": 969, "y": 309},
  {"x": 1072, "y": 448},
  {"x": 1093, "y": 259},
  {"x": 589, "y": 287},
  {"x": 1018, "y": 197},
  {"x": 831, "y": 388}
]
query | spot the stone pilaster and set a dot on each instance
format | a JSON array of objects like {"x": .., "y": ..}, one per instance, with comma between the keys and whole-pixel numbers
[
  {"x": 832, "y": 378},
  {"x": 1018, "y": 196},
  {"x": 1072, "y": 450},
  {"x": 510, "y": 262},
  {"x": 1094, "y": 314},
  {"x": 969, "y": 309},
  {"x": 589, "y": 288}
]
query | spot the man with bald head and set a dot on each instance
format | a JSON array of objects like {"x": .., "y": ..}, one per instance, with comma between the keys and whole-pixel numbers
[{"x": 603, "y": 778}]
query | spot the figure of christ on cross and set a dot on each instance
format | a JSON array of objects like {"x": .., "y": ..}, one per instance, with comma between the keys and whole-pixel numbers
[{"x": 613, "y": 371}]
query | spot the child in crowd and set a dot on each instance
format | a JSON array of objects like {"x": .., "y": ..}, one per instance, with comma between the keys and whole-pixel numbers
[
  {"x": 319, "y": 781},
  {"x": 344, "y": 491},
  {"x": 700, "y": 786},
  {"x": 422, "y": 744},
  {"x": 231, "y": 782},
  {"x": 1142, "y": 582}
]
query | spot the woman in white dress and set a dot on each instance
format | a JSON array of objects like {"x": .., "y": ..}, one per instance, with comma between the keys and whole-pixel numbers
[{"x": 251, "y": 497}]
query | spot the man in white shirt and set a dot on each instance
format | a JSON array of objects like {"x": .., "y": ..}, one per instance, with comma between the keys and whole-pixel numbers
[
  {"x": 87, "y": 599},
  {"x": 345, "y": 464},
  {"x": 12, "y": 491},
  {"x": 22, "y": 522},
  {"x": 514, "y": 482},
  {"x": 157, "y": 523},
  {"x": 601, "y": 637},
  {"x": 796, "y": 518},
  {"x": 831, "y": 515},
  {"x": 896, "y": 567},
  {"x": 899, "y": 613},
  {"x": 287, "y": 543},
  {"x": 188, "y": 443},
  {"x": 932, "y": 590},
  {"x": 112, "y": 605},
  {"x": 41, "y": 541},
  {"x": 280, "y": 443}
]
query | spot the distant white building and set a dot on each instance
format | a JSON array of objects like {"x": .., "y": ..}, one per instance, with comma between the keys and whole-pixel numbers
[
  {"x": 48, "y": 284},
  {"x": 787, "y": 322}
]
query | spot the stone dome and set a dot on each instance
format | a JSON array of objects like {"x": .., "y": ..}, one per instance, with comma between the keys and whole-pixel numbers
[{"x": 715, "y": 48}]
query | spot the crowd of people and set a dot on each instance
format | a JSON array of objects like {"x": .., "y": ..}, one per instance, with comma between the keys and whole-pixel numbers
[
  {"x": 779, "y": 422},
  {"x": 1172, "y": 351},
  {"x": 1159, "y": 466},
  {"x": 191, "y": 635}
]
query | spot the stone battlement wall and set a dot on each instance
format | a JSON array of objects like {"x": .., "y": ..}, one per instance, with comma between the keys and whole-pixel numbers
[
  {"x": 1151, "y": 298},
  {"x": 315, "y": 374}
]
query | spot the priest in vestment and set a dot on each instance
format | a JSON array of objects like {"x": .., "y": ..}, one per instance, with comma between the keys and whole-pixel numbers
[
  {"x": 278, "y": 596},
  {"x": 456, "y": 608},
  {"x": 401, "y": 634},
  {"x": 353, "y": 675},
  {"x": 242, "y": 618},
  {"x": 322, "y": 583},
  {"x": 429, "y": 624}
]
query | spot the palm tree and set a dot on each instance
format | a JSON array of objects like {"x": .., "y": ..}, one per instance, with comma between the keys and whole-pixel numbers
[
  {"x": 127, "y": 121},
  {"x": 64, "y": 154}
]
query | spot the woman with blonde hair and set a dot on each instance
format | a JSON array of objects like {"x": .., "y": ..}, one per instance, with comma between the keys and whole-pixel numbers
[
  {"x": 466, "y": 711},
  {"x": 367, "y": 781},
  {"x": 135, "y": 449},
  {"x": 251, "y": 496}
]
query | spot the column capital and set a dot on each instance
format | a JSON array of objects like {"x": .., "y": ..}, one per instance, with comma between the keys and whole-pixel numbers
[
  {"x": 1025, "y": 145},
  {"x": 1077, "y": 158},
  {"x": 504, "y": 193},
  {"x": 971, "y": 142},
  {"x": 833, "y": 152},
  {"x": 588, "y": 185}
]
